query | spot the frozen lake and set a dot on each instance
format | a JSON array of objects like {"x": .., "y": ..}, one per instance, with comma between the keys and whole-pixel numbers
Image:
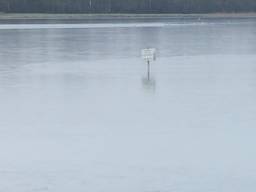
[{"x": 77, "y": 112}]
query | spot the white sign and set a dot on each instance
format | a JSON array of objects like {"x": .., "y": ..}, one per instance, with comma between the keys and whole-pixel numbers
[{"x": 149, "y": 54}]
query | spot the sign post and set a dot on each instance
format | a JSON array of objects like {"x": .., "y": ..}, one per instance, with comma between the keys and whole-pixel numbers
[
  {"x": 148, "y": 69},
  {"x": 148, "y": 55}
]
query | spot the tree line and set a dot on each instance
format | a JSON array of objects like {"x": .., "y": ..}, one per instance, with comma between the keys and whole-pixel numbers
[{"x": 126, "y": 6}]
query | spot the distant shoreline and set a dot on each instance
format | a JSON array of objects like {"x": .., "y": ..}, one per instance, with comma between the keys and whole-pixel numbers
[{"x": 32, "y": 16}]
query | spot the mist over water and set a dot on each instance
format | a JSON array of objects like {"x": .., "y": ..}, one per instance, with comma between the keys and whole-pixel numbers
[{"x": 77, "y": 111}]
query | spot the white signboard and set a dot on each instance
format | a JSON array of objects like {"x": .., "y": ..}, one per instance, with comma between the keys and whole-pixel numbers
[{"x": 149, "y": 54}]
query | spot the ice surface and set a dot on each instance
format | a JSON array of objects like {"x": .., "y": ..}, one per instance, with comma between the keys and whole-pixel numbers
[
  {"x": 79, "y": 26},
  {"x": 77, "y": 112}
]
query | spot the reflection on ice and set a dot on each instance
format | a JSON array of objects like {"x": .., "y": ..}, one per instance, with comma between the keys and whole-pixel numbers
[{"x": 149, "y": 83}]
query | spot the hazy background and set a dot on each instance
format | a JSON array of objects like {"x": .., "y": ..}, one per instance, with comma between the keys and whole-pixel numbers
[{"x": 127, "y": 6}]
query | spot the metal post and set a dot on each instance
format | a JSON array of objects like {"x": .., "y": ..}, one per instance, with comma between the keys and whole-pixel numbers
[{"x": 148, "y": 70}]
